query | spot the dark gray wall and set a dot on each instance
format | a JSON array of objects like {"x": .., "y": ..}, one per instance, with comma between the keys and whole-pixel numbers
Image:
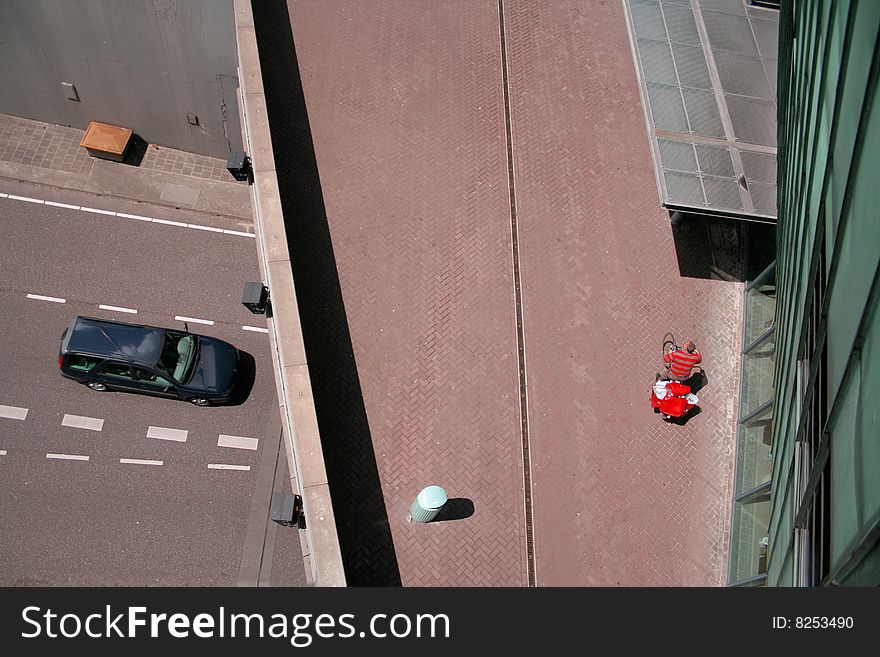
[{"x": 142, "y": 64}]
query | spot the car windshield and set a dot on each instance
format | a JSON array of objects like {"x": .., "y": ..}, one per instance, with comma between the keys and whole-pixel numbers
[{"x": 178, "y": 355}]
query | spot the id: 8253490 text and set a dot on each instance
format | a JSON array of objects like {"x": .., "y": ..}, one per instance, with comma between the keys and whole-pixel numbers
[{"x": 813, "y": 622}]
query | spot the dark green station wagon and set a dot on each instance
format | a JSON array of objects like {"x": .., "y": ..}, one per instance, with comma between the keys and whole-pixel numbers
[{"x": 107, "y": 355}]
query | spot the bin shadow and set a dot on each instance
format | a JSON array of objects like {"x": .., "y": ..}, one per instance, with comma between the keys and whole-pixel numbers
[
  {"x": 135, "y": 151},
  {"x": 456, "y": 508},
  {"x": 368, "y": 554}
]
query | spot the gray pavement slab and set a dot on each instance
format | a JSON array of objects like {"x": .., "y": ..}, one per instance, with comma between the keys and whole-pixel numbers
[{"x": 47, "y": 154}]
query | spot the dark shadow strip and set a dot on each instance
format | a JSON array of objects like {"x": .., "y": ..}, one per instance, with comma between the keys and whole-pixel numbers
[{"x": 365, "y": 541}]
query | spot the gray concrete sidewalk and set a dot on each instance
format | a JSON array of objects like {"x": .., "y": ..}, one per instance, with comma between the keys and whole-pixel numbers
[{"x": 49, "y": 154}]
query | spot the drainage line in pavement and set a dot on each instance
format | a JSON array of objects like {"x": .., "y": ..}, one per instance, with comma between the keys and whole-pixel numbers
[{"x": 520, "y": 333}]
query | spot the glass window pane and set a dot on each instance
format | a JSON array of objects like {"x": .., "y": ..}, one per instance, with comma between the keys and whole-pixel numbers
[
  {"x": 117, "y": 369},
  {"x": 748, "y": 554},
  {"x": 84, "y": 363},
  {"x": 753, "y": 452},
  {"x": 150, "y": 377},
  {"x": 760, "y": 311},
  {"x": 757, "y": 375}
]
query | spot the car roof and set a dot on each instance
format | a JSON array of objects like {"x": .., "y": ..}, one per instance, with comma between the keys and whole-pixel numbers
[{"x": 130, "y": 342}]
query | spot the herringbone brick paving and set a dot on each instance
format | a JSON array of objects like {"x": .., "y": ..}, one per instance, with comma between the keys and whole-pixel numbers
[
  {"x": 621, "y": 498},
  {"x": 406, "y": 110},
  {"x": 409, "y": 137}
]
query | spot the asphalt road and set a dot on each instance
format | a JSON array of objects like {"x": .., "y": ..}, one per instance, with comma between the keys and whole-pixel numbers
[{"x": 116, "y": 507}]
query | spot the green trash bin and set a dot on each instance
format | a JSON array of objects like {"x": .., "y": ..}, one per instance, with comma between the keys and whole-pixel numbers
[{"x": 428, "y": 504}]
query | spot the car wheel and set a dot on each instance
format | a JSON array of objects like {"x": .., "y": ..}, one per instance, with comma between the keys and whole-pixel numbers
[
  {"x": 94, "y": 385},
  {"x": 200, "y": 401}
]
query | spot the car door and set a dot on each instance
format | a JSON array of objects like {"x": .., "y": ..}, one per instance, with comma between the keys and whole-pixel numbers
[
  {"x": 115, "y": 374},
  {"x": 154, "y": 382}
]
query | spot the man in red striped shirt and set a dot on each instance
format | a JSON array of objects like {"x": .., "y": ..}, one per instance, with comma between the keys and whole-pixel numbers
[{"x": 680, "y": 363}]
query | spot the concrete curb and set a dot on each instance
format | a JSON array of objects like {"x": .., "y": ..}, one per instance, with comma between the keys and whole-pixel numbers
[{"x": 321, "y": 551}]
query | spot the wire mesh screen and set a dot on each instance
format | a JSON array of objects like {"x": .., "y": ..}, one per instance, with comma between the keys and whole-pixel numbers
[
  {"x": 691, "y": 65},
  {"x": 709, "y": 79}
]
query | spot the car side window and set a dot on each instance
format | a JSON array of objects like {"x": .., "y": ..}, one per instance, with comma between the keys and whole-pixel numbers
[
  {"x": 83, "y": 363},
  {"x": 148, "y": 376},
  {"x": 121, "y": 370}
]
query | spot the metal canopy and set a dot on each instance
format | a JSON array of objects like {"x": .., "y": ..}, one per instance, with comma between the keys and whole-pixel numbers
[{"x": 707, "y": 70}]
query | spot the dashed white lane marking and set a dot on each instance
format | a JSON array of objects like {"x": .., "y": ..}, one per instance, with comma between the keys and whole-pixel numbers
[
  {"x": 126, "y": 215},
  {"x": 13, "y": 412},
  {"x": 2, "y": 452},
  {"x": 141, "y": 462},
  {"x": 181, "y": 318},
  {"x": 40, "y": 297},
  {"x": 177, "y": 435},
  {"x": 239, "y": 442},
  {"x": 257, "y": 329},
  {"x": 118, "y": 309},
  {"x": 223, "y": 466},
  {"x": 83, "y": 422},
  {"x": 139, "y": 217},
  {"x": 26, "y": 198},
  {"x": 97, "y": 211},
  {"x": 68, "y": 457}
]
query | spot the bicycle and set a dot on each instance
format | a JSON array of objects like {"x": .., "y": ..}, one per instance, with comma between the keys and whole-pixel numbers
[{"x": 669, "y": 346}]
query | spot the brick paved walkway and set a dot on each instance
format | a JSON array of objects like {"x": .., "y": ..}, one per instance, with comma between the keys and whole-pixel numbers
[
  {"x": 407, "y": 116},
  {"x": 23, "y": 141}
]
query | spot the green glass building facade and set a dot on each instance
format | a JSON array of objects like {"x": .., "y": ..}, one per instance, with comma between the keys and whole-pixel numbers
[{"x": 807, "y": 493}]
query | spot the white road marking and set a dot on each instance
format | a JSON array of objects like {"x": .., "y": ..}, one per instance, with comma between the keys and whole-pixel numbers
[
  {"x": 13, "y": 412},
  {"x": 177, "y": 435},
  {"x": 239, "y": 442},
  {"x": 223, "y": 466},
  {"x": 255, "y": 328},
  {"x": 69, "y": 457},
  {"x": 2, "y": 452},
  {"x": 118, "y": 309},
  {"x": 125, "y": 215},
  {"x": 82, "y": 422},
  {"x": 140, "y": 462},
  {"x": 40, "y": 297},
  {"x": 181, "y": 318},
  {"x": 25, "y": 198},
  {"x": 97, "y": 211}
]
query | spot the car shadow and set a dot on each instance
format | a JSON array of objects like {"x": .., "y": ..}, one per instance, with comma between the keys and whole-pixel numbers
[
  {"x": 247, "y": 374},
  {"x": 365, "y": 541}
]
